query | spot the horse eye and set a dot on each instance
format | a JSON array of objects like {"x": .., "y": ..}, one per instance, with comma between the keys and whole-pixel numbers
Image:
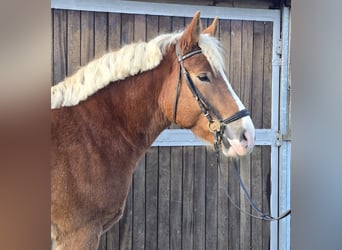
[{"x": 203, "y": 78}]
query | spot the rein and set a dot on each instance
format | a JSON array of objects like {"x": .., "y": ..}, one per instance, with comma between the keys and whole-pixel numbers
[
  {"x": 217, "y": 127},
  {"x": 260, "y": 214}
]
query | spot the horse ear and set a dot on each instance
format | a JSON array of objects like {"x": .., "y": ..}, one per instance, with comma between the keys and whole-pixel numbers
[
  {"x": 192, "y": 33},
  {"x": 212, "y": 29}
]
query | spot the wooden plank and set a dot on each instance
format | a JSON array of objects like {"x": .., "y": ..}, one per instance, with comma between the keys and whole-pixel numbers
[
  {"x": 87, "y": 37},
  {"x": 100, "y": 34},
  {"x": 258, "y": 73},
  {"x": 59, "y": 45},
  {"x": 151, "y": 27},
  {"x": 164, "y": 24},
  {"x": 178, "y": 23},
  {"x": 235, "y": 55},
  {"x": 73, "y": 41},
  {"x": 246, "y": 98},
  {"x": 199, "y": 198},
  {"x": 176, "y": 198},
  {"x": 234, "y": 214},
  {"x": 256, "y": 169},
  {"x": 139, "y": 211},
  {"x": 114, "y": 31},
  {"x": 127, "y": 29},
  {"x": 188, "y": 201},
  {"x": 211, "y": 201},
  {"x": 267, "y": 83},
  {"x": 267, "y": 111},
  {"x": 245, "y": 220},
  {"x": 164, "y": 198},
  {"x": 256, "y": 194},
  {"x": 222, "y": 223},
  {"x": 151, "y": 225},
  {"x": 266, "y": 194},
  {"x": 139, "y": 28},
  {"x": 246, "y": 64},
  {"x": 233, "y": 185}
]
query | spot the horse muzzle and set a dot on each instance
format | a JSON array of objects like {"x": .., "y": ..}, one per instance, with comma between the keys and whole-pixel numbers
[{"x": 238, "y": 139}]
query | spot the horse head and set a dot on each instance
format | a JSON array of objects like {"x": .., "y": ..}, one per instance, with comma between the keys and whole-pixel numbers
[{"x": 198, "y": 95}]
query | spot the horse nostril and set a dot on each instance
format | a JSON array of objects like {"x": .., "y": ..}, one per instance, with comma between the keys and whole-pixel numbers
[{"x": 243, "y": 136}]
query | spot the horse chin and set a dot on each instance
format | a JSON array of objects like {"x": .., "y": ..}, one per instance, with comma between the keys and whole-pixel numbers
[
  {"x": 233, "y": 148},
  {"x": 229, "y": 152},
  {"x": 227, "y": 148}
]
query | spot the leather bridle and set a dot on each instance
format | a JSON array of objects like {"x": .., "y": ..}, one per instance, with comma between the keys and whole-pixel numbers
[{"x": 216, "y": 126}]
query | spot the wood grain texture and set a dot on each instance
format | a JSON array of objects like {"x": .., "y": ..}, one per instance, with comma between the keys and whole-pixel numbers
[
  {"x": 59, "y": 45},
  {"x": 199, "y": 198},
  {"x": 73, "y": 41},
  {"x": 176, "y": 193},
  {"x": 87, "y": 37},
  {"x": 139, "y": 208},
  {"x": 151, "y": 189},
  {"x": 164, "y": 198},
  {"x": 211, "y": 201},
  {"x": 233, "y": 184},
  {"x": 188, "y": 200},
  {"x": 246, "y": 97}
]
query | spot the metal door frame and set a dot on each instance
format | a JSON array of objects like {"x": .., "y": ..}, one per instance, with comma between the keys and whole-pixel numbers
[{"x": 277, "y": 137}]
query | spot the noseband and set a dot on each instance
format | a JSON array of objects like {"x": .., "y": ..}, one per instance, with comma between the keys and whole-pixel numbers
[{"x": 215, "y": 126}]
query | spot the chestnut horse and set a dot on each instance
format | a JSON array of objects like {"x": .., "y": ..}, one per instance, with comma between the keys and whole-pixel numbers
[{"x": 106, "y": 115}]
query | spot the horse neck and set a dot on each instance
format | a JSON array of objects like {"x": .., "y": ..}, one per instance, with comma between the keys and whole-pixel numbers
[{"x": 131, "y": 106}]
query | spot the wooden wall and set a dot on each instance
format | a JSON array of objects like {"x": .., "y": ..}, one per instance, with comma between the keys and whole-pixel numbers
[{"x": 176, "y": 200}]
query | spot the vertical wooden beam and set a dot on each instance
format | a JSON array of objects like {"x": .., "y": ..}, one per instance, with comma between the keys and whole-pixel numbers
[
  {"x": 59, "y": 45},
  {"x": 233, "y": 184},
  {"x": 73, "y": 41},
  {"x": 246, "y": 98},
  {"x": 257, "y": 107},
  {"x": 101, "y": 20},
  {"x": 188, "y": 202},
  {"x": 211, "y": 201},
  {"x": 139, "y": 205},
  {"x": 151, "y": 223},
  {"x": 87, "y": 37},
  {"x": 164, "y": 198},
  {"x": 266, "y": 120},
  {"x": 114, "y": 31},
  {"x": 199, "y": 198},
  {"x": 176, "y": 192}
]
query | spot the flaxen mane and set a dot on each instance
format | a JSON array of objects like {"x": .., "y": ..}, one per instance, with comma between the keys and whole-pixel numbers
[{"x": 128, "y": 61}]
